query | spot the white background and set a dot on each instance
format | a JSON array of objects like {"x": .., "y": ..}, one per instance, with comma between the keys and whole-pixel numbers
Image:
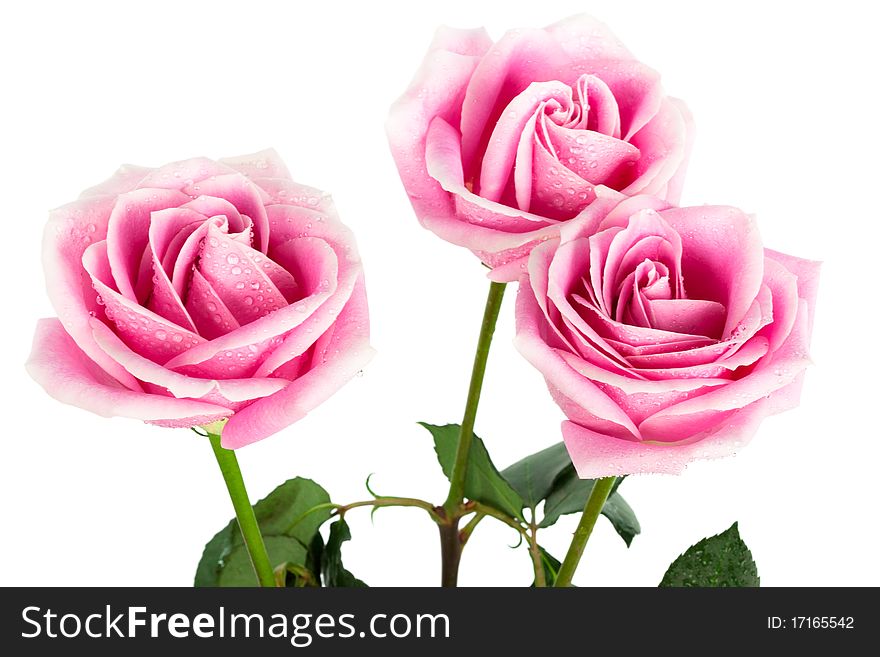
[{"x": 785, "y": 98}]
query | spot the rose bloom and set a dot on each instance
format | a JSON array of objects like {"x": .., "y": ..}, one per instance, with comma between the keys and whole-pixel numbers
[
  {"x": 499, "y": 144},
  {"x": 664, "y": 334},
  {"x": 198, "y": 291}
]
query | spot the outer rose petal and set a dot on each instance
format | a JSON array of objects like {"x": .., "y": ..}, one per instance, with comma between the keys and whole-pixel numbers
[
  {"x": 262, "y": 164},
  {"x": 664, "y": 143},
  {"x": 474, "y": 42},
  {"x": 68, "y": 375},
  {"x": 70, "y": 230},
  {"x": 436, "y": 90},
  {"x": 807, "y": 272},
  {"x": 345, "y": 351},
  {"x": 676, "y": 183},
  {"x": 584, "y": 37},
  {"x": 178, "y": 175},
  {"x": 560, "y": 376},
  {"x": 596, "y": 455},
  {"x": 230, "y": 391},
  {"x": 124, "y": 180}
]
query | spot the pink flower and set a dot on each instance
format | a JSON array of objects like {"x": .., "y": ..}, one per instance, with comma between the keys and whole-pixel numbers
[
  {"x": 198, "y": 291},
  {"x": 664, "y": 334},
  {"x": 498, "y": 145}
]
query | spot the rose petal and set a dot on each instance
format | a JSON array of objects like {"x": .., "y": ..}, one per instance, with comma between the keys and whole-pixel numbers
[
  {"x": 341, "y": 353},
  {"x": 755, "y": 349},
  {"x": 244, "y": 195},
  {"x": 481, "y": 218},
  {"x": 707, "y": 411},
  {"x": 436, "y": 90},
  {"x": 807, "y": 273},
  {"x": 517, "y": 121},
  {"x": 124, "y": 180},
  {"x": 149, "y": 334},
  {"x": 228, "y": 392},
  {"x": 71, "y": 377},
  {"x": 594, "y": 157},
  {"x": 602, "y": 113},
  {"x": 288, "y": 192},
  {"x": 690, "y": 316},
  {"x": 211, "y": 206},
  {"x": 663, "y": 145},
  {"x": 579, "y": 392},
  {"x": 723, "y": 259},
  {"x": 236, "y": 274},
  {"x": 177, "y": 175},
  {"x": 583, "y": 37},
  {"x": 207, "y": 309},
  {"x": 557, "y": 192},
  {"x": 167, "y": 229},
  {"x": 319, "y": 272},
  {"x": 242, "y": 351},
  {"x": 262, "y": 164},
  {"x": 128, "y": 233},
  {"x": 69, "y": 231},
  {"x": 519, "y": 58},
  {"x": 783, "y": 288},
  {"x": 596, "y": 455}
]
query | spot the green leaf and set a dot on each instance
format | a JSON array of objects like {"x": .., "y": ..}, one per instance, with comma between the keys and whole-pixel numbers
[
  {"x": 569, "y": 495},
  {"x": 315, "y": 556},
  {"x": 533, "y": 476},
  {"x": 298, "y": 576},
  {"x": 483, "y": 483},
  {"x": 622, "y": 517},
  {"x": 225, "y": 561},
  {"x": 334, "y": 572},
  {"x": 551, "y": 566},
  {"x": 718, "y": 561}
]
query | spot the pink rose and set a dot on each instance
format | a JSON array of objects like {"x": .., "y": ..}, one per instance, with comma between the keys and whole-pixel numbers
[
  {"x": 199, "y": 291},
  {"x": 664, "y": 334},
  {"x": 499, "y": 144}
]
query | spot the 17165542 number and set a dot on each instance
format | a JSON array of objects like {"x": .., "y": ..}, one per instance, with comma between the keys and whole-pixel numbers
[{"x": 811, "y": 623}]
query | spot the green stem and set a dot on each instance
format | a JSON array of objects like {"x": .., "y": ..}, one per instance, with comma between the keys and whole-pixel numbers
[
  {"x": 601, "y": 491},
  {"x": 466, "y": 434},
  {"x": 469, "y": 528},
  {"x": 535, "y": 553},
  {"x": 391, "y": 501},
  {"x": 484, "y": 510},
  {"x": 450, "y": 552},
  {"x": 450, "y": 539},
  {"x": 244, "y": 512}
]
